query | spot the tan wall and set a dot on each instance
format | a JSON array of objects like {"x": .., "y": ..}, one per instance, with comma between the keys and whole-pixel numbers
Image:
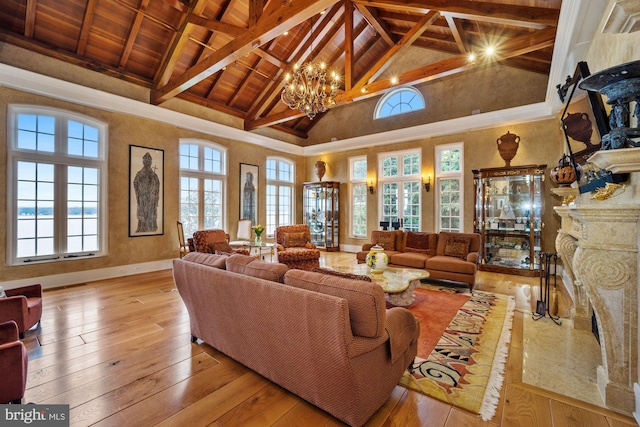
[
  {"x": 487, "y": 89},
  {"x": 541, "y": 143},
  {"x": 124, "y": 130}
]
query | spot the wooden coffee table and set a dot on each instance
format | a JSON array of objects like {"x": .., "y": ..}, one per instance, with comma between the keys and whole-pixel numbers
[{"x": 397, "y": 282}]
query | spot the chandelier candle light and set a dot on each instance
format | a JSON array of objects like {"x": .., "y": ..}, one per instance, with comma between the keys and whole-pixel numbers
[{"x": 307, "y": 89}]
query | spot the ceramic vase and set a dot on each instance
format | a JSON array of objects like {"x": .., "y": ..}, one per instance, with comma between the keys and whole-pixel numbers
[
  {"x": 376, "y": 259},
  {"x": 565, "y": 173}
]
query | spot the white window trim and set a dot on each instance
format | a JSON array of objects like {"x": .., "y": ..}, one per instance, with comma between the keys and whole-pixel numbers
[
  {"x": 377, "y": 111},
  {"x": 353, "y": 181},
  {"x": 401, "y": 178},
  {"x": 278, "y": 182},
  {"x": 439, "y": 174},
  {"x": 15, "y": 154},
  {"x": 201, "y": 174}
]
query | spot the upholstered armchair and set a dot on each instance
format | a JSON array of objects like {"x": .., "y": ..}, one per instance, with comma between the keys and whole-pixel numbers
[
  {"x": 214, "y": 241},
  {"x": 13, "y": 364},
  {"x": 22, "y": 305},
  {"x": 293, "y": 247}
]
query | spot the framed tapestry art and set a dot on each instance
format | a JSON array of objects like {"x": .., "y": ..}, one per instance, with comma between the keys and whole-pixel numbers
[
  {"x": 249, "y": 192},
  {"x": 146, "y": 191}
]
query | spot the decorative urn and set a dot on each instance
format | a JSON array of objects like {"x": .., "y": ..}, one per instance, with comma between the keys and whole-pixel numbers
[
  {"x": 508, "y": 146},
  {"x": 376, "y": 259},
  {"x": 566, "y": 172},
  {"x": 578, "y": 126},
  {"x": 321, "y": 168}
]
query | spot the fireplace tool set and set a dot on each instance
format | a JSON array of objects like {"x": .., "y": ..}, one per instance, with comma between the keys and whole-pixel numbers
[{"x": 548, "y": 302}]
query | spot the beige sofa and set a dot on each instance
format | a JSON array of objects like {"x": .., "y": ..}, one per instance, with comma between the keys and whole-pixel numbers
[
  {"x": 445, "y": 255},
  {"x": 328, "y": 339}
]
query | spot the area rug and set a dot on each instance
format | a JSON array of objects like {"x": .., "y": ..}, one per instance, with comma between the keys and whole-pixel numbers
[{"x": 463, "y": 348}]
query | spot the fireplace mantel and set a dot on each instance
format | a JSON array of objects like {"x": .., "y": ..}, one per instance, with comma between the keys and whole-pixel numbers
[{"x": 598, "y": 244}]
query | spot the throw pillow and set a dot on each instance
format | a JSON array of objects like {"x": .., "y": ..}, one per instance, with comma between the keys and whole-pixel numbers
[
  {"x": 457, "y": 247},
  {"x": 418, "y": 242},
  {"x": 220, "y": 248},
  {"x": 3, "y": 294},
  {"x": 387, "y": 240},
  {"x": 341, "y": 274},
  {"x": 295, "y": 240}
]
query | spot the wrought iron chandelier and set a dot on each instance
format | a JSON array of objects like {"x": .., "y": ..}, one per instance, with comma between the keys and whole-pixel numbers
[{"x": 307, "y": 89}]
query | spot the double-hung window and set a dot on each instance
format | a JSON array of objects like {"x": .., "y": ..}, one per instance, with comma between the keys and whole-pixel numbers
[
  {"x": 56, "y": 197},
  {"x": 358, "y": 188},
  {"x": 449, "y": 180},
  {"x": 279, "y": 196},
  {"x": 400, "y": 183},
  {"x": 203, "y": 181}
]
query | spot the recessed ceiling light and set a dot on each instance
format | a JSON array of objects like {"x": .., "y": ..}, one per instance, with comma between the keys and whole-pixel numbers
[
  {"x": 394, "y": 80},
  {"x": 472, "y": 57},
  {"x": 490, "y": 50}
]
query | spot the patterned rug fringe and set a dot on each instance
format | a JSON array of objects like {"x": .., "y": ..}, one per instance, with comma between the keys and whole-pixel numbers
[{"x": 492, "y": 393}]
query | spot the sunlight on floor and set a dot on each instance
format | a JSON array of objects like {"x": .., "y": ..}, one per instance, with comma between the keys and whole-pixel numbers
[{"x": 558, "y": 358}]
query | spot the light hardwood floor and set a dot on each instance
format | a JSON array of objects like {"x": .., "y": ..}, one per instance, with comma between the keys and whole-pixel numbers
[{"x": 118, "y": 351}]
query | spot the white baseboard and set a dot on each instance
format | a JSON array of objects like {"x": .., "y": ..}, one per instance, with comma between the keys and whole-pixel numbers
[
  {"x": 77, "y": 277},
  {"x": 350, "y": 248}
]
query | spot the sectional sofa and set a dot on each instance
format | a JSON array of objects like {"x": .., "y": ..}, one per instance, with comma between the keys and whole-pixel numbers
[
  {"x": 445, "y": 255},
  {"x": 328, "y": 339}
]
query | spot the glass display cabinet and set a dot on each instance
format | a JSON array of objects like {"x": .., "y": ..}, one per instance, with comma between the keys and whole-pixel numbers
[
  {"x": 508, "y": 216},
  {"x": 321, "y": 213}
]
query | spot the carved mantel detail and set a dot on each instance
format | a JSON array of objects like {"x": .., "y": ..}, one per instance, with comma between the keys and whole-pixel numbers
[{"x": 598, "y": 245}]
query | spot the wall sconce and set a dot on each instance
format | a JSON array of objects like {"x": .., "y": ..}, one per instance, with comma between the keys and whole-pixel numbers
[
  {"x": 371, "y": 188},
  {"x": 427, "y": 183}
]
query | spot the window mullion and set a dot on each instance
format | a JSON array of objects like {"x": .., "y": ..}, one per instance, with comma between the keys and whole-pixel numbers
[{"x": 60, "y": 209}]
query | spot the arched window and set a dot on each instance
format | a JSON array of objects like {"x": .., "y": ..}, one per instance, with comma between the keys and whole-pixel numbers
[
  {"x": 56, "y": 171},
  {"x": 203, "y": 182},
  {"x": 399, "y": 101}
]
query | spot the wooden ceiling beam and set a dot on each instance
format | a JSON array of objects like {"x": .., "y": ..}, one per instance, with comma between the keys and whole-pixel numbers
[
  {"x": 401, "y": 45},
  {"x": 523, "y": 63},
  {"x": 30, "y": 18},
  {"x": 348, "y": 45},
  {"x": 288, "y": 16},
  {"x": 133, "y": 34},
  {"x": 381, "y": 27},
  {"x": 255, "y": 11},
  {"x": 87, "y": 21},
  {"x": 516, "y": 13},
  {"x": 178, "y": 41},
  {"x": 215, "y": 25},
  {"x": 447, "y": 67},
  {"x": 457, "y": 33}
]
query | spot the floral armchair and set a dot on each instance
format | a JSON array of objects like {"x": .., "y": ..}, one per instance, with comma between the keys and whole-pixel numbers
[
  {"x": 293, "y": 247},
  {"x": 214, "y": 241}
]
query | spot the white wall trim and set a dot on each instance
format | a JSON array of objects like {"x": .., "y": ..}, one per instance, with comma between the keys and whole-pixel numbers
[{"x": 76, "y": 277}]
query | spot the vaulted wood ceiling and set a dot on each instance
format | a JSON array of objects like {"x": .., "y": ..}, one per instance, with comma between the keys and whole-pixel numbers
[{"x": 231, "y": 55}]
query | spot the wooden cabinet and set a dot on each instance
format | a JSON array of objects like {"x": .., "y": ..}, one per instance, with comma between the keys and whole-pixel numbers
[
  {"x": 321, "y": 213},
  {"x": 508, "y": 215}
]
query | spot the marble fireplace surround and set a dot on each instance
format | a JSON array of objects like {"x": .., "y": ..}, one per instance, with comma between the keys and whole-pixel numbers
[{"x": 598, "y": 244}]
